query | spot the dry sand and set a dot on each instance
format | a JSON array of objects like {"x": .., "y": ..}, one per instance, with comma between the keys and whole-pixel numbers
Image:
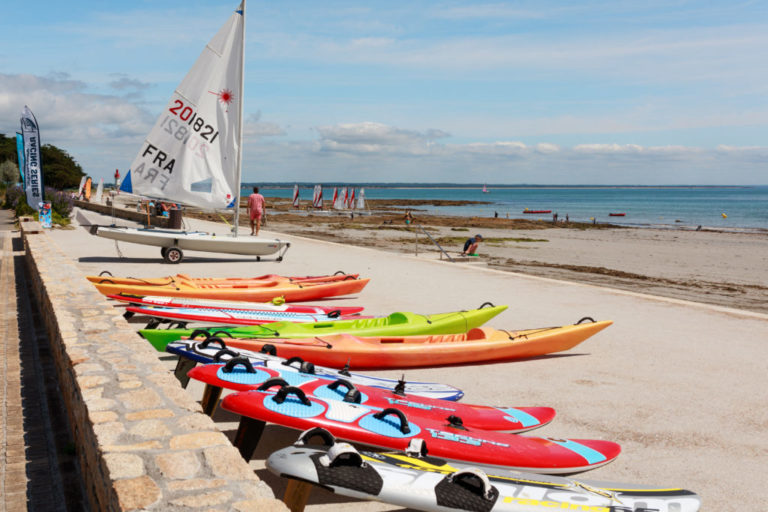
[{"x": 681, "y": 385}]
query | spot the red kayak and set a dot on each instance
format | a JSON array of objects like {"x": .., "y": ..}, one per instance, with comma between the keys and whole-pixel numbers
[
  {"x": 240, "y": 374},
  {"x": 184, "y": 302},
  {"x": 392, "y": 428},
  {"x": 616, "y": 214},
  {"x": 537, "y": 211}
]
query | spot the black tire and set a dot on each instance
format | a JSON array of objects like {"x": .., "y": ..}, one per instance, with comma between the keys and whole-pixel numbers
[
  {"x": 173, "y": 255},
  {"x": 163, "y": 251}
]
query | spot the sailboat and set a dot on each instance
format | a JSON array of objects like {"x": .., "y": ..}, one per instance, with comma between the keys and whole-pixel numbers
[
  {"x": 485, "y": 190},
  {"x": 193, "y": 155}
]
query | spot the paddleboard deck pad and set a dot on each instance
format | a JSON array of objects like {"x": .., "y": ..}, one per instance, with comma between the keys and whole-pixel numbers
[
  {"x": 240, "y": 375},
  {"x": 202, "y": 352},
  {"x": 393, "y": 428},
  {"x": 433, "y": 484}
]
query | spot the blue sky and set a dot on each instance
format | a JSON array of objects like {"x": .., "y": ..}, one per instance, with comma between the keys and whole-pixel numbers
[{"x": 655, "y": 92}]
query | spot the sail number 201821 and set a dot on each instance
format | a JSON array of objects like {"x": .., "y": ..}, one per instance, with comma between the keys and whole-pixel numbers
[{"x": 189, "y": 116}]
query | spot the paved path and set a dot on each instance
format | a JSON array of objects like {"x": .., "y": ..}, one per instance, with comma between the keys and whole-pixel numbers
[{"x": 37, "y": 465}]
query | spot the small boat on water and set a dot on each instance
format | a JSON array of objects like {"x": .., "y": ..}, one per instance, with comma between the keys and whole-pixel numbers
[
  {"x": 617, "y": 214},
  {"x": 536, "y": 211}
]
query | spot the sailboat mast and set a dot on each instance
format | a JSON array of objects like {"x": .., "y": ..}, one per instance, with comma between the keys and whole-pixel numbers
[{"x": 239, "y": 169}]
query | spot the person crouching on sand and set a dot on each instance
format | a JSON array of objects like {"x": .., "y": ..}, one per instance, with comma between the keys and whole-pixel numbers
[
  {"x": 256, "y": 209},
  {"x": 470, "y": 246}
]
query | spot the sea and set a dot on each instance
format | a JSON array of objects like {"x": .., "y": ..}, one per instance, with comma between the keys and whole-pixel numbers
[{"x": 720, "y": 207}]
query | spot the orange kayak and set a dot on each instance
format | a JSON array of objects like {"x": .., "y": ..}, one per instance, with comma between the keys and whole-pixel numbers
[
  {"x": 217, "y": 281},
  {"x": 252, "y": 292},
  {"x": 479, "y": 345}
]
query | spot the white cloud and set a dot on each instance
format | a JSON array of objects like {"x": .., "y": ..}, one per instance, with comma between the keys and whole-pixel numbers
[{"x": 370, "y": 137}]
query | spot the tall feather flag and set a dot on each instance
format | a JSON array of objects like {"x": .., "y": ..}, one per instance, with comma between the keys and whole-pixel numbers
[
  {"x": 33, "y": 164},
  {"x": 20, "y": 154}
]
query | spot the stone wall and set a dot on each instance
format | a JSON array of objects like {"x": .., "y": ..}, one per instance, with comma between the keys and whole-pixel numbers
[{"x": 141, "y": 440}]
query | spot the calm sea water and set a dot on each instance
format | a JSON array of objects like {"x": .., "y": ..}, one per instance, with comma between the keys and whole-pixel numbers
[{"x": 744, "y": 207}]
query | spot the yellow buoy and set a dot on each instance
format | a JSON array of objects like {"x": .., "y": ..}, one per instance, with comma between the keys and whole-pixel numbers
[{"x": 724, "y": 215}]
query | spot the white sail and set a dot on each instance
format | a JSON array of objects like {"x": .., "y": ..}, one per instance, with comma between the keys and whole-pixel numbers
[
  {"x": 296, "y": 196},
  {"x": 361, "y": 200},
  {"x": 99, "y": 192},
  {"x": 191, "y": 155}
]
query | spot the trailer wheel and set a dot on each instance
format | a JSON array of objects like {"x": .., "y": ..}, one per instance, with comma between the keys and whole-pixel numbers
[{"x": 173, "y": 255}]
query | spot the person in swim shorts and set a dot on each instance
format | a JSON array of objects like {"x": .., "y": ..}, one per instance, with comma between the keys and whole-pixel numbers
[{"x": 256, "y": 209}]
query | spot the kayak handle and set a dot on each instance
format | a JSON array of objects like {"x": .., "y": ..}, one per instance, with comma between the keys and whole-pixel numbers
[
  {"x": 210, "y": 340},
  {"x": 225, "y": 333},
  {"x": 456, "y": 422},
  {"x": 274, "y": 381},
  {"x": 327, "y": 437},
  {"x": 337, "y": 273},
  {"x": 304, "y": 366},
  {"x": 291, "y": 390},
  {"x": 224, "y": 352},
  {"x": 404, "y": 428},
  {"x": 198, "y": 332},
  {"x": 230, "y": 366},
  {"x": 105, "y": 272},
  {"x": 585, "y": 319},
  {"x": 489, "y": 304},
  {"x": 268, "y": 349},
  {"x": 336, "y": 313},
  {"x": 102, "y": 281},
  {"x": 474, "y": 475},
  {"x": 353, "y": 394}
]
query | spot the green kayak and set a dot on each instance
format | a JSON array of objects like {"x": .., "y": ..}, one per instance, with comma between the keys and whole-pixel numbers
[{"x": 396, "y": 324}]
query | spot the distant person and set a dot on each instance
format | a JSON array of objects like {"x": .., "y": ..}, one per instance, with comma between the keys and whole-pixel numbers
[
  {"x": 256, "y": 207},
  {"x": 470, "y": 246},
  {"x": 495, "y": 215},
  {"x": 408, "y": 217},
  {"x": 567, "y": 219}
]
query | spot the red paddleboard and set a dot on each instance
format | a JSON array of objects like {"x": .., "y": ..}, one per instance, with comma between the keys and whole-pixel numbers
[
  {"x": 235, "y": 316},
  {"x": 240, "y": 375},
  {"x": 182, "y": 302},
  {"x": 616, "y": 214},
  {"x": 394, "y": 429}
]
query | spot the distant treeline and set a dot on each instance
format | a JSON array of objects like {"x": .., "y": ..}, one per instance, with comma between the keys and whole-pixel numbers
[{"x": 60, "y": 170}]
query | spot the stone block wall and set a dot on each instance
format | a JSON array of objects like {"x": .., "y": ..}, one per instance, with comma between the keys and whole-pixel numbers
[{"x": 141, "y": 440}]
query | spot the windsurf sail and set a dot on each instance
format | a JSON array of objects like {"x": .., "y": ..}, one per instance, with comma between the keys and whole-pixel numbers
[
  {"x": 361, "y": 200},
  {"x": 351, "y": 201},
  {"x": 296, "y": 196},
  {"x": 99, "y": 191},
  {"x": 317, "y": 198},
  {"x": 192, "y": 154}
]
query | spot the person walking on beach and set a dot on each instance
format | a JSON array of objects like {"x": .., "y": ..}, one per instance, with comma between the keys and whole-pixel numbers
[
  {"x": 470, "y": 246},
  {"x": 256, "y": 209}
]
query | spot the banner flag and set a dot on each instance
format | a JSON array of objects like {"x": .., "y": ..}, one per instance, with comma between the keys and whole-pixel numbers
[
  {"x": 20, "y": 153},
  {"x": 33, "y": 165}
]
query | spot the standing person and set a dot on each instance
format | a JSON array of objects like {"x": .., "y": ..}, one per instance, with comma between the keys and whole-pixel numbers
[
  {"x": 256, "y": 209},
  {"x": 470, "y": 246}
]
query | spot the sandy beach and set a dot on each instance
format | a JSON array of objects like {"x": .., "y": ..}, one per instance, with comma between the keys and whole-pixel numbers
[
  {"x": 710, "y": 266},
  {"x": 680, "y": 385}
]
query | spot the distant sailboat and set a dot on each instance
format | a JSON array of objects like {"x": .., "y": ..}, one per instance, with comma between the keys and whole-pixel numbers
[
  {"x": 296, "y": 196},
  {"x": 317, "y": 198},
  {"x": 485, "y": 190},
  {"x": 193, "y": 155}
]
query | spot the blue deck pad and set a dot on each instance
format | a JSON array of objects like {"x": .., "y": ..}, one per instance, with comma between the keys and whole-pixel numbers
[
  {"x": 293, "y": 407},
  {"x": 336, "y": 394},
  {"x": 592, "y": 456},
  {"x": 239, "y": 375},
  {"x": 521, "y": 417},
  {"x": 388, "y": 426},
  {"x": 295, "y": 378},
  {"x": 345, "y": 412}
]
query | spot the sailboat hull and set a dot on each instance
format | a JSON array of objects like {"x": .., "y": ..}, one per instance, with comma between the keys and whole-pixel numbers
[{"x": 194, "y": 240}]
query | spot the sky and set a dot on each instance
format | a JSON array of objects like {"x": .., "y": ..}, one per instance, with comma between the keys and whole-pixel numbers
[{"x": 591, "y": 92}]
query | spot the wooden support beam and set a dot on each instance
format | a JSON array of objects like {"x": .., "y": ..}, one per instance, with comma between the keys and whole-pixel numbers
[
  {"x": 296, "y": 494},
  {"x": 248, "y": 434},
  {"x": 210, "y": 399}
]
